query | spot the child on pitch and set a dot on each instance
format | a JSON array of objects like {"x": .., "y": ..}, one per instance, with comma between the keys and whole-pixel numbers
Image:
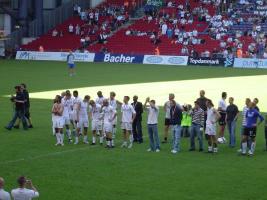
[
  {"x": 212, "y": 117},
  {"x": 58, "y": 120},
  {"x": 128, "y": 115},
  {"x": 83, "y": 122},
  {"x": 109, "y": 114}
]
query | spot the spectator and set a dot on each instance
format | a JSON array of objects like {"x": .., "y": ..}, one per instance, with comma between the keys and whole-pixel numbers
[
  {"x": 41, "y": 48},
  {"x": 3, "y": 194},
  {"x": 54, "y": 33},
  {"x": 77, "y": 30},
  {"x": 22, "y": 192},
  {"x": 137, "y": 122},
  {"x": 71, "y": 28},
  {"x": 164, "y": 29},
  {"x": 61, "y": 34}
]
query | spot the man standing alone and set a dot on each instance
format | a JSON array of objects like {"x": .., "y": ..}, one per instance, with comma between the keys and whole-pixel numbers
[{"x": 137, "y": 122}]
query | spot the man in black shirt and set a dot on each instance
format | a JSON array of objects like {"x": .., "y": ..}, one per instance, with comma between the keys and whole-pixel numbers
[
  {"x": 202, "y": 100},
  {"x": 137, "y": 123},
  {"x": 19, "y": 101},
  {"x": 27, "y": 107},
  {"x": 231, "y": 118}
]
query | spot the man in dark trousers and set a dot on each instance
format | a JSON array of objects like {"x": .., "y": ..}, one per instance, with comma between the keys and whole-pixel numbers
[
  {"x": 137, "y": 123},
  {"x": 27, "y": 107},
  {"x": 19, "y": 101}
]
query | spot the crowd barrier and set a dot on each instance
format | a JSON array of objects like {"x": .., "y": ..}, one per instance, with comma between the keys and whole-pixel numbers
[{"x": 145, "y": 59}]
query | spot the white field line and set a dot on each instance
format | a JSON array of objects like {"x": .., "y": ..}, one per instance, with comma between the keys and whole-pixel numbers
[
  {"x": 186, "y": 91},
  {"x": 43, "y": 155}
]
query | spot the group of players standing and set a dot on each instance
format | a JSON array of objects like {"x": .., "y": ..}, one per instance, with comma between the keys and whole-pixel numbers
[{"x": 69, "y": 110}]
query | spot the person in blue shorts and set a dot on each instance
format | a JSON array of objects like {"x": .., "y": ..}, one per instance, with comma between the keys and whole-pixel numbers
[{"x": 71, "y": 64}]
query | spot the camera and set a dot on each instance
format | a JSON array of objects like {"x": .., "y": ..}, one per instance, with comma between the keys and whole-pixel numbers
[{"x": 12, "y": 98}]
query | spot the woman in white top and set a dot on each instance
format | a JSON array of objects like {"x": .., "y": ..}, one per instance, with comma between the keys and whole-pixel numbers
[{"x": 212, "y": 118}]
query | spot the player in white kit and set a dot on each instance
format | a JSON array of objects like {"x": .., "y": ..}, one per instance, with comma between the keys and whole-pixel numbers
[
  {"x": 222, "y": 123},
  {"x": 100, "y": 98},
  {"x": 109, "y": 114},
  {"x": 212, "y": 118},
  {"x": 58, "y": 120},
  {"x": 128, "y": 115},
  {"x": 114, "y": 103},
  {"x": 67, "y": 103},
  {"x": 97, "y": 123},
  {"x": 83, "y": 122},
  {"x": 167, "y": 108},
  {"x": 76, "y": 105}
]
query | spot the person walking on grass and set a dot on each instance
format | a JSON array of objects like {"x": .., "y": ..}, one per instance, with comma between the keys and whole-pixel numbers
[
  {"x": 152, "y": 124},
  {"x": 175, "y": 122},
  {"x": 212, "y": 117},
  {"x": 71, "y": 64},
  {"x": 231, "y": 118},
  {"x": 222, "y": 122}
]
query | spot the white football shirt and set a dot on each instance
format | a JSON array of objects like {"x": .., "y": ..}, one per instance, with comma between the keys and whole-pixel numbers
[
  {"x": 24, "y": 194},
  {"x": 127, "y": 113}
]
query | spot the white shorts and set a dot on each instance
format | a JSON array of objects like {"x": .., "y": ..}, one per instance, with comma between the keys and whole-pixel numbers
[
  {"x": 211, "y": 129},
  {"x": 107, "y": 128},
  {"x": 126, "y": 126},
  {"x": 58, "y": 122},
  {"x": 96, "y": 125},
  {"x": 66, "y": 120},
  {"x": 74, "y": 116},
  {"x": 83, "y": 123}
]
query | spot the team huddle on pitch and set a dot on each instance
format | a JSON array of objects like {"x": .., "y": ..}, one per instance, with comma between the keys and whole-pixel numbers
[{"x": 74, "y": 113}]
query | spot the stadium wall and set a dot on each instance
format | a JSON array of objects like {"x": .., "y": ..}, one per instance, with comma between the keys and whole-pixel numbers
[{"x": 145, "y": 59}]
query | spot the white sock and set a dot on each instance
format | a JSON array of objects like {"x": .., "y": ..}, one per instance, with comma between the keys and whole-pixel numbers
[
  {"x": 76, "y": 139},
  {"x": 244, "y": 147},
  {"x": 210, "y": 148},
  {"x": 58, "y": 137},
  {"x": 85, "y": 138},
  {"x": 101, "y": 139},
  {"x": 112, "y": 142},
  {"x": 68, "y": 133},
  {"x": 93, "y": 139},
  {"x": 253, "y": 146},
  {"x": 109, "y": 143},
  {"x": 131, "y": 138},
  {"x": 62, "y": 138},
  {"x": 53, "y": 130}
]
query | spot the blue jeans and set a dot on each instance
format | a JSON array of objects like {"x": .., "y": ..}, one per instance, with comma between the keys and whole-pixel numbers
[
  {"x": 153, "y": 136},
  {"x": 18, "y": 114},
  {"x": 195, "y": 131},
  {"x": 231, "y": 128},
  {"x": 176, "y": 137}
]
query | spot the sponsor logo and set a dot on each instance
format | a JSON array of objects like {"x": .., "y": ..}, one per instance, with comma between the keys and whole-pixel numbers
[
  {"x": 24, "y": 55},
  {"x": 154, "y": 59},
  {"x": 229, "y": 62},
  {"x": 204, "y": 61},
  {"x": 176, "y": 60},
  {"x": 118, "y": 58}
]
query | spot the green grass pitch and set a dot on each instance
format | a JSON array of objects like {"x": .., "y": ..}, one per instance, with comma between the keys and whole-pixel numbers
[{"x": 84, "y": 172}]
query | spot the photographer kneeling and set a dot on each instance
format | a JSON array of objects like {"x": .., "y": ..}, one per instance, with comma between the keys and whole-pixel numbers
[{"x": 19, "y": 101}]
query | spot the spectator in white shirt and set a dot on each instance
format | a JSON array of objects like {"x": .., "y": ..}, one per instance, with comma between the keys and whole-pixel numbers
[
  {"x": 164, "y": 29},
  {"x": 22, "y": 192},
  {"x": 71, "y": 28},
  {"x": 77, "y": 29},
  {"x": 152, "y": 124},
  {"x": 3, "y": 194}
]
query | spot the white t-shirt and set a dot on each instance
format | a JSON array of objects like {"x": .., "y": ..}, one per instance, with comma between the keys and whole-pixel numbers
[
  {"x": 84, "y": 110},
  {"x": 153, "y": 113},
  {"x": 108, "y": 113},
  {"x": 67, "y": 103},
  {"x": 96, "y": 112},
  {"x": 76, "y": 101},
  {"x": 211, "y": 116},
  {"x": 99, "y": 100},
  {"x": 168, "y": 108},
  {"x": 24, "y": 194},
  {"x": 127, "y": 113},
  {"x": 4, "y": 195},
  {"x": 113, "y": 103},
  {"x": 222, "y": 105}
]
